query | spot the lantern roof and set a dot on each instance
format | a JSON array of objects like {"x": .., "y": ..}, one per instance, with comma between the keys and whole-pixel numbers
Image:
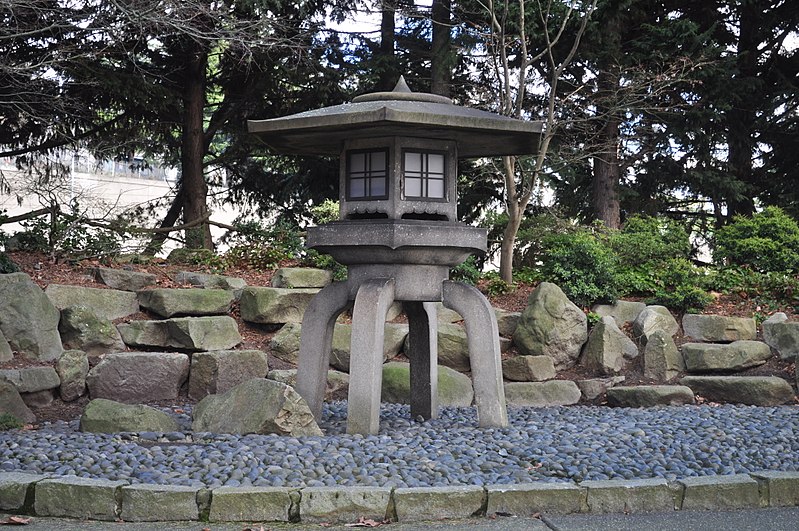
[{"x": 400, "y": 112}]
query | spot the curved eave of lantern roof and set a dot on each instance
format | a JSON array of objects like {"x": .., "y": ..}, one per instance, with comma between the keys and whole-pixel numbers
[{"x": 323, "y": 131}]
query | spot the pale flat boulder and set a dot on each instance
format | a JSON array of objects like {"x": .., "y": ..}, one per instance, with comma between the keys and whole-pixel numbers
[
  {"x": 196, "y": 334},
  {"x": 718, "y": 328},
  {"x": 192, "y": 301},
  {"x": 108, "y": 303},
  {"x": 138, "y": 377}
]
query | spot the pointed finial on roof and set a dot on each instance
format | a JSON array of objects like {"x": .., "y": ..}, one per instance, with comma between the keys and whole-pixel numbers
[{"x": 401, "y": 86}]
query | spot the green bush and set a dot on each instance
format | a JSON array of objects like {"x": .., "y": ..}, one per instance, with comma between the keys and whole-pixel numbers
[
  {"x": 9, "y": 422},
  {"x": 326, "y": 212},
  {"x": 7, "y": 265},
  {"x": 581, "y": 265},
  {"x": 680, "y": 287},
  {"x": 468, "y": 272},
  {"x": 768, "y": 241}
]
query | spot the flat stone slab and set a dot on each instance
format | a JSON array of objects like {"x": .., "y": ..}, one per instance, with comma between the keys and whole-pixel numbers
[
  {"x": 650, "y": 395},
  {"x": 542, "y": 394},
  {"x": 275, "y": 305},
  {"x": 107, "y": 416},
  {"x": 454, "y": 388},
  {"x": 528, "y": 368},
  {"x": 782, "y": 487},
  {"x": 332, "y": 504},
  {"x": 32, "y": 379},
  {"x": 629, "y": 496},
  {"x": 137, "y": 377},
  {"x": 74, "y": 497},
  {"x": 438, "y": 503},
  {"x": 735, "y": 356},
  {"x": 593, "y": 388},
  {"x": 262, "y": 504},
  {"x": 159, "y": 503},
  {"x": 109, "y": 303},
  {"x": 713, "y": 493},
  {"x": 192, "y": 301},
  {"x": 204, "y": 280},
  {"x": 301, "y": 277},
  {"x": 718, "y": 328},
  {"x": 122, "y": 279},
  {"x": 194, "y": 334},
  {"x": 623, "y": 312},
  {"x": 16, "y": 490},
  {"x": 527, "y": 499},
  {"x": 751, "y": 390}
]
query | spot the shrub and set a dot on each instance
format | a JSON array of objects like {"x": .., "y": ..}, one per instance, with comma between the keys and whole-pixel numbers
[
  {"x": 768, "y": 241},
  {"x": 468, "y": 272},
  {"x": 326, "y": 212},
  {"x": 679, "y": 287},
  {"x": 9, "y": 422},
  {"x": 581, "y": 265},
  {"x": 7, "y": 265}
]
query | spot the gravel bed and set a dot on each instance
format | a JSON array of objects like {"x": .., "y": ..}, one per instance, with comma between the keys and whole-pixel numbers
[{"x": 542, "y": 444}]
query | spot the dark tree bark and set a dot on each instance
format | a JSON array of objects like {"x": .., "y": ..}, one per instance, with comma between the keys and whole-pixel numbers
[
  {"x": 193, "y": 186},
  {"x": 442, "y": 57},
  {"x": 172, "y": 215},
  {"x": 386, "y": 62},
  {"x": 741, "y": 117}
]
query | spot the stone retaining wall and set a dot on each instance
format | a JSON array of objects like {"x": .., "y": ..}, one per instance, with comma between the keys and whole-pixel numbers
[{"x": 117, "y": 500}]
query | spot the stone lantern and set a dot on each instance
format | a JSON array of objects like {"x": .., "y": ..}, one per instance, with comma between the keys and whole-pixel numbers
[{"x": 399, "y": 236}]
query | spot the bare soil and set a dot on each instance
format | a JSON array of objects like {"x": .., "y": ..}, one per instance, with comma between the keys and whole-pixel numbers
[{"x": 45, "y": 271}]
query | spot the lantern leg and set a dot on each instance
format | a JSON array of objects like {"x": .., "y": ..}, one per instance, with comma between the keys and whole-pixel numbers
[
  {"x": 316, "y": 340},
  {"x": 423, "y": 355},
  {"x": 484, "y": 354},
  {"x": 372, "y": 302}
]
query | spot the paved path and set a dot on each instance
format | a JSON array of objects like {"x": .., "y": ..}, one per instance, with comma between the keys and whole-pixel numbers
[{"x": 786, "y": 519}]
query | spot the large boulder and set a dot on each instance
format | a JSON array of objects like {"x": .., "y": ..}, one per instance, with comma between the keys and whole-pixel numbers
[
  {"x": 256, "y": 406},
  {"x": 107, "y": 416},
  {"x": 718, "y": 328},
  {"x": 608, "y": 348},
  {"x": 594, "y": 388},
  {"x": 528, "y": 368},
  {"x": 194, "y": 334},
  {"x": 285, "y": 343},
  {"x": 192, "y": 301},
  {"x": 454, "y": 388},
  {"x": 72, "y": 368},
  {"x": 219, "y": 371},
  {"x": 551, "y": 325},
  {"x": 782, "y": 336},
  {"x": 623, "y": 312},
  {"x": 453, "y": 347},
  {"x": 136, "y": 377},
  {"x": 662, "y": 359},
  {"x": 203, "y": 280},
  {"x": 11, "y": 403},
  {"x": 110, "y": 303},
  {"x": 301, "y": 277},
  {"x": 32, "y": 379},
  {"x": 735, "y": 356},
  {"x": 542, "y": 394},
  {"x": 28, "y": 320},
  {"x": 654, "y": 318},
  {"x": 337, "y": 382},
  {"x": 123, "y": 279},
  {"x": 650, "y": 395},
  {"x": 393, "y": 338},
  {"x": 507, "y": 321},
  {"x": 6, "y": 353},
  {"x": 751, "y": 390},
  {"x": 82, "y": 329},
  {"x": 275, "y": 305}
]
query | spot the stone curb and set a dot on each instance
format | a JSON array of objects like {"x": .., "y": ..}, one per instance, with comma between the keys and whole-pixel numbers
[{"x": 98, "y": 499}]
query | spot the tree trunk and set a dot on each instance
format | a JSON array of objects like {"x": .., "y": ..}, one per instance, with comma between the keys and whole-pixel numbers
[
  {"x": 193, "y": 186},
  {"x": 508, "y": 244},
  {"x": 604, "y": 193},
  {"x": 172, "y": 215},
  {"x": 386, "y": 62},
  {"x": 741, "y": 117},
  {"x": 442, "y": 56}
]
